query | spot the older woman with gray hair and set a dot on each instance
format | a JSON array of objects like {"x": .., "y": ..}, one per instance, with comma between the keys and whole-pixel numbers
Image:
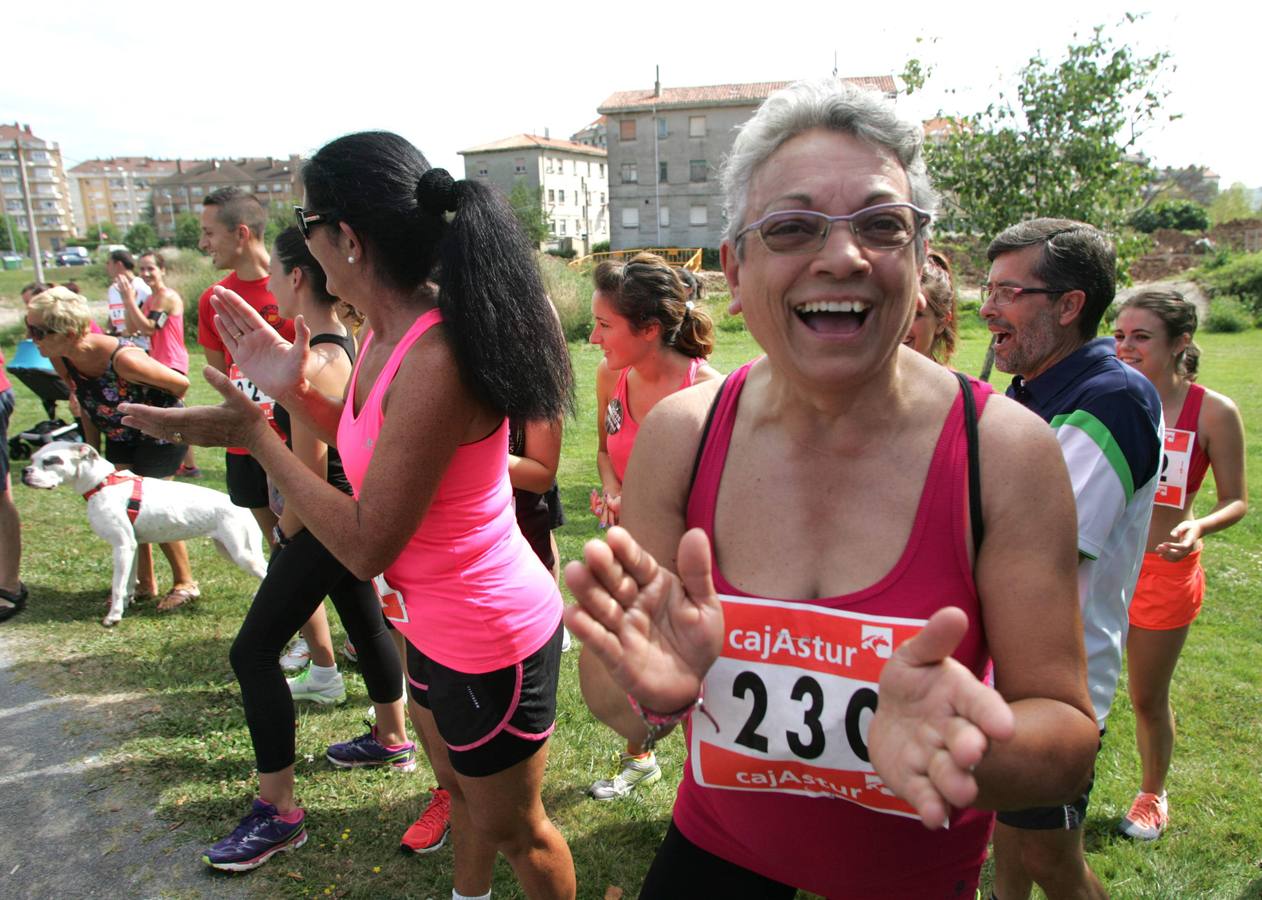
[{"x": 820, "y": 535}]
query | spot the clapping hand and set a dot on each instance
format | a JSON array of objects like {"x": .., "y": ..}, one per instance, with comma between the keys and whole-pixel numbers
[
  {"x": 275, "y": 365},
  {"x": 234, "y": 423},
  {"x": 656, "y": 633},
  {"x": 934, "y": 721}
]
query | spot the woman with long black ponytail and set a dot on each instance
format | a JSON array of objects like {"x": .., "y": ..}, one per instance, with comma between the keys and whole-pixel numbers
[{"x": 463, "y": 337}]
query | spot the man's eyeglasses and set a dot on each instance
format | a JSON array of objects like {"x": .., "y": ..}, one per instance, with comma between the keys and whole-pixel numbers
[
  {"x": 1004, "y": 294},
  {"x": 887, "y": 226},
  {"x": 307, "y": 219},
  {"x": 37, "y": 333}
]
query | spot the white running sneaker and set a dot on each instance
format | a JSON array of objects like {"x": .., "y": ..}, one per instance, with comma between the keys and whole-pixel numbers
[
  {"x": 566, "y": 639},
  {"x": 298, "y": 656},
  {"x": 634, "y": 772},
  {"x": 305, "y": 687}
]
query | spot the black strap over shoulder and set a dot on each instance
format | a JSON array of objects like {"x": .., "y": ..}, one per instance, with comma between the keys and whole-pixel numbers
[
  {"x": 345, "y": 341},
  {"x": 705, "y": 431},
  {"x": 974, "y": 468}
]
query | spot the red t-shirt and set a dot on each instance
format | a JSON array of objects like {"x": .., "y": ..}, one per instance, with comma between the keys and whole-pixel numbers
[{"x": 257, "y": 295}]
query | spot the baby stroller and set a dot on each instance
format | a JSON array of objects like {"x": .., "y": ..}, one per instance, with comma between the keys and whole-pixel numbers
[{"x": 31, "y": 368}]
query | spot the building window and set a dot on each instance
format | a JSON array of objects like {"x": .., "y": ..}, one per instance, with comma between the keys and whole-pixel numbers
[
  {"x": 626, "y": 129},
  {"x": 561, "y": 196},
  {"x": 630, "y": 175},
  {"x": 696, "y": 126},
  {"x": 661, "y": 172},
  {"x": 561, "y": 226},
  {"x": 602, "y": 198},
  {"x": 519, "y": 165},
  {"x": 631, "y": 217},
  {"x": 548, "y": 165},
  {"x": 602, "y": 170},
  {"x": 697, "y": 215},
  {"x": 662, "y": 130},
  {"x": 696, "y": 170},
  {"x": 552, "y": 196},
  {"x": 663, "y": 216}
]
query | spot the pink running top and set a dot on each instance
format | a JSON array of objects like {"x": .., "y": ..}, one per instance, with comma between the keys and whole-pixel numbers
[
  {"x": 475, "y": 598},
  {"x": 167, "y": 344},
  {"x": 621, "y": 427},
  {"x": 785, "y": 788}
]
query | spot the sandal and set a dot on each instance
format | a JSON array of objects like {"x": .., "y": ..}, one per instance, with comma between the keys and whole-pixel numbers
[
  {"x": 13, "y": 602},
  {"x": 178, "y": 596}
]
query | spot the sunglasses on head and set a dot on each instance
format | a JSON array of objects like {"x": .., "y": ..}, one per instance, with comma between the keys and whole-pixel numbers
[{"x": 307, "y": 219}]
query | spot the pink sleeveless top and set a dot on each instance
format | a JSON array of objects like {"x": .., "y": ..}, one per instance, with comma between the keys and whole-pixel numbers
[
  {"x": 475, "y": 598},
  {"x": 621, "y": 428},
  {"x": 785, "y": 787},
  {"x": 167, "y": 343}
]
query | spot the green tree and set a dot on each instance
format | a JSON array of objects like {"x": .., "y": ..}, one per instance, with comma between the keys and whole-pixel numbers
[
  {"x": 1181, "y": 214},
  {"x": 141, "y": 236},
  {"x": 280, "y": 216},
  {"x": 188, "y": 231},
  {"x": 1063, "y": 148},
  {"x": 109, "y": 232},
  {"x": 10, "y": 227},
  {"x": 1231, "y": 204},
  {"x": 528, "y": 207}
]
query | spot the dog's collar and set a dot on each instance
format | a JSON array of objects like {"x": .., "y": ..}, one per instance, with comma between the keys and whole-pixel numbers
[{"x": 133, "y": 503}]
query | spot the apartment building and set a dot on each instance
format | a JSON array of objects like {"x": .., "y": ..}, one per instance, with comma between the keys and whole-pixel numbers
[
  {"x": 117, "y": 190},
  {"x": 49, "y": 191},
  {"x": 273, "y": 180},
  {"x": 596, "y": 134},
  {"x": 571, "y": 179},
  {"x": 665, "y": 149}
]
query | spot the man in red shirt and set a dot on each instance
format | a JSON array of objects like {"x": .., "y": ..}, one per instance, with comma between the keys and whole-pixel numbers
[{"x": 233, "y": 222}]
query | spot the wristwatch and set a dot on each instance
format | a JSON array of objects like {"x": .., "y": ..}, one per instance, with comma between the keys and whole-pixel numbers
[{"x": 278, "y": 537}]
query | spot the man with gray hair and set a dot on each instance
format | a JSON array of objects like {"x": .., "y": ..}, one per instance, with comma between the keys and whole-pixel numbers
[{"x": 1050, "y": 282}]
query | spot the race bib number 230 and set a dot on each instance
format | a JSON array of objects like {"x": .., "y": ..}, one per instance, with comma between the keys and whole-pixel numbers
[{"x": 794, "y": 688}]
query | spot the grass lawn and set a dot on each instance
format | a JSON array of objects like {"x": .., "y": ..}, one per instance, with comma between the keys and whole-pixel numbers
[{"x": 164, "y": 682}]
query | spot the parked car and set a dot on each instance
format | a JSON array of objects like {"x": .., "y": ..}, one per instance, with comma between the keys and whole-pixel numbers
[
  {"x": 73, "y": 256},
  {"x": 103, "y": 252}
]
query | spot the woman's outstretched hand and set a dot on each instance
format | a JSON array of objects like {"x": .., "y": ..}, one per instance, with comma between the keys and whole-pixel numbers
[
  {"x": 656, "y": 633},
  {"x": 234, "y": 423},
  {"x": 934, "y": 721},
  {"x": 274, "y": 364}
]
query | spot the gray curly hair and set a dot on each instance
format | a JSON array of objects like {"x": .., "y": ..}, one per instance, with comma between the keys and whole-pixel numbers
[{"x": 834, "y": 105}]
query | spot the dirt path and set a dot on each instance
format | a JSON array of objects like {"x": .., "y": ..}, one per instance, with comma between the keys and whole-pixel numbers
[{"x": 73, "y": 826}]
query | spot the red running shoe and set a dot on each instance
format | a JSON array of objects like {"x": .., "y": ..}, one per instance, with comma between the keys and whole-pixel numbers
[{"x": 429, "y": 832}]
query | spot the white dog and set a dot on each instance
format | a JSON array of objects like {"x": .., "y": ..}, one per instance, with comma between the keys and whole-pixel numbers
[{"x": 127, "y": 510}]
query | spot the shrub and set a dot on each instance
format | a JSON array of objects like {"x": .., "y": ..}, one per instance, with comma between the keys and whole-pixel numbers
[
  {"x": 571, "y": 293},
  {"x": 710, "y": 258},
  {"x": 600, "y": 247},
  {"x": 1183, "y": 215},
  {"x": 565, "y": 253},
  {"x": 189, "y": 274},
  {"x": 1227, "y": 314},
  {"x": 1241, "y": 277}
]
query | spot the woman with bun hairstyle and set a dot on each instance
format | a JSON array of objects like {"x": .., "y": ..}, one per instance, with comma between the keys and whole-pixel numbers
[
  {"x": 933, "y": 331},
  {"x": 1154, "y": 331},
  {"x": 462, "y": 338},
  {"x": 655, "y": 340}
]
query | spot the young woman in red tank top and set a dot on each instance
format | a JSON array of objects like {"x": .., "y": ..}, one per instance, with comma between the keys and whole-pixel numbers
[
  {"x": 655, "y": 340},
  {"x": 1154, "y": 332},
  {"x": 819, "y": 553}
]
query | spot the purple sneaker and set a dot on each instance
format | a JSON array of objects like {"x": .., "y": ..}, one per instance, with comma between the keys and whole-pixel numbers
[
  {"x": 366, "y": 750},
  {"x": 260, "y": 836}
]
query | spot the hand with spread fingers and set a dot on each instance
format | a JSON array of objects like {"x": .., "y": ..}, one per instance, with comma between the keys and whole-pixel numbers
[
  {"x": 274, "y": 364},
  {"x": 234, "y": 423},
  {"x": 935, "y": 721},
  {"x": 657, "y": 633}
]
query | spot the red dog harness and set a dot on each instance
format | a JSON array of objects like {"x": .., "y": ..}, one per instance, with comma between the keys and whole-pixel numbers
[{"x": 133, "y": 504}]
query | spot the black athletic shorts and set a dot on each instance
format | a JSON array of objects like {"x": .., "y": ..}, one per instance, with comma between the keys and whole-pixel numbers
[
  {"x": 247, "y": 481},
  {"x": 492, "y": 721},
  {"x": 148, "y": 458},
  {"x": 1067, "y": 817},
  {"x": 6, "y": 411},
  {"x": 682, "y": 869}
]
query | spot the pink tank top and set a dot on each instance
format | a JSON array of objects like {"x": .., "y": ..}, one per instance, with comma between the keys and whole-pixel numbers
[
  {"x": 785, "y": 787},
  {"x": 167, "y": 343},
  {"x": 474, "y": 597},
  {"x": 621, "y": 427}
]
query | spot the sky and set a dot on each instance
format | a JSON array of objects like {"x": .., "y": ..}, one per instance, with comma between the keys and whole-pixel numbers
[{"x": 269, "y": 79}]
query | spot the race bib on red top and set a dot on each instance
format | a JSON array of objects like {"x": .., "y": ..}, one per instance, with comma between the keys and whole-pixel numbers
[
  {"x": 1176, "y": 461},
  {"x": 251, "y": 390},
  {"x": 392, "y": 606},
  {"x": 794, "y": 689},
  {"x": 118, "y": 315}
]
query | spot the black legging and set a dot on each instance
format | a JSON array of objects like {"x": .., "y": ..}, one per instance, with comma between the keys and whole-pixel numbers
[{"x": 298, "y": 578}]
